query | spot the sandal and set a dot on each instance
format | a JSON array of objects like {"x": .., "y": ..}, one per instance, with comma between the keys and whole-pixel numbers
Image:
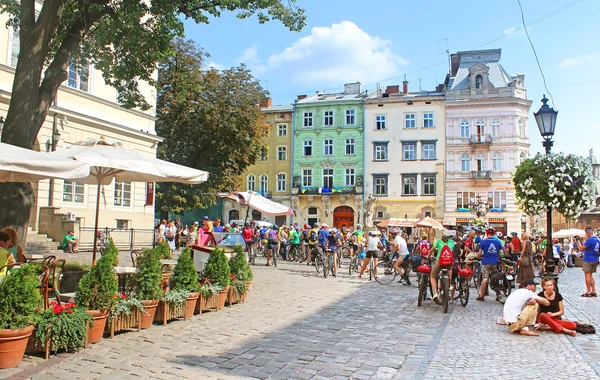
[
  {"x": 586, "y": 295},
  {"x": 593, "y": 295}
]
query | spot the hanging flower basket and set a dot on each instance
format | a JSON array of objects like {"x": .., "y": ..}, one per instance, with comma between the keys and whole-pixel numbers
[
  {"x": 561, "y": 182},
  {"x": 480, "y": 223}
]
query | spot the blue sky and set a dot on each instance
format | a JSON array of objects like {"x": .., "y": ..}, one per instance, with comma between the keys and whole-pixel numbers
[{"x": 380, "y": 41}]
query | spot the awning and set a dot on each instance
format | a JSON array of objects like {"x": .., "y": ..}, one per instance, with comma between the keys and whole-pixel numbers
[
  {"x": 397, "y": 222},
  {"x": 429, "y": 222},
  {"x": 258, "y": 202}
]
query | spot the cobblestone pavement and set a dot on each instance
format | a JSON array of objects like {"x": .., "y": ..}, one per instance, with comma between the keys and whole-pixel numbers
[{"x": 298, "y": 325}]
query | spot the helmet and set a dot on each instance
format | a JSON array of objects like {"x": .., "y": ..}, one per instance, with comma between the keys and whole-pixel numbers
[
  {"x": 449, "y": 233},
  {"x": 490, "y": 231},
  {"x": 315, "y": 224},
  {"x": 424, "y": 236},
  {"x": 358, "y": 226},
  {"x": 371, "y": 233},
  {"x": 275, "y": 226},
  {"x": 499, "y": 234},
  {"x": 394, "y": 231},
  {"x": 514, "y": 234},
  {"x": 324, "y": 225}
]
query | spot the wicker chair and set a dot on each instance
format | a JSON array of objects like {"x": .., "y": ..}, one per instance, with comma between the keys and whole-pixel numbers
[{"x": 56, "y": 269}]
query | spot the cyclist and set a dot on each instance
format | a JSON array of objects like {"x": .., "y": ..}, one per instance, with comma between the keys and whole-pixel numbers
[
  {"x": 373, "y": 247},
  {"x": 294, "y": 240},
  {"x": 273, "y": 238},
  {"x": 322, "y": 236},
  {"x": 489, "y": 251},
  {"x": 435, "y": 271},
  {"x": 399, "y": 249},
  {"x": 248, "y": 236},
  {"x": 333, "y": 242},
  {"x": 359, "y": 235},
  {"x": 313, "y": 239}
]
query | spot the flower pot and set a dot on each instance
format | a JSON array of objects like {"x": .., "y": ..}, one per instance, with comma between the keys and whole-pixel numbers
[
  {"x": 247, "y": 290},
  {"x": 222, "y": 297},
  {"x": 12, "y": 346},
  {"x": 167, "y": 312},
  {"x": 233, "y": 297},
  {"x": 123, "y": 321},
  {"x": 148, "y": 313},
  {"x": 209, "y": 303},
  {"x": 190, "y": 305},
  {"x": 98, "y": 324}
]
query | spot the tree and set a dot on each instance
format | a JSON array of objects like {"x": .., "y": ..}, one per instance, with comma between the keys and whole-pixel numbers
[
  {"x": 210, "y": 120},
  {"x": 123, "y": 39}
]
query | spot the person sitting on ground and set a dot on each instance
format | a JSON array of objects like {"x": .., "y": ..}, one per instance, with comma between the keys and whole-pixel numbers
[
  {"x": 551, "y": 314},
  {"x": 13, "y": 246},
  {"x": 70, "y": 243},
  {"x": 521, "y": 308},
  {"x": 5, "y": 256}
]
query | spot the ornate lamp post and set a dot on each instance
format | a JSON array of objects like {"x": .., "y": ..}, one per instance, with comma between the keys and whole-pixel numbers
[
  {"x": 478, "y": 206},
  {"x": 545, "y": 118}
]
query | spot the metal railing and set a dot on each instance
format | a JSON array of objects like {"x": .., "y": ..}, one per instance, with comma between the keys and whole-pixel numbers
[
  {"x": 482, "y": 174},
  {"x": 311, "y": 190},
  {"x": 129, "y": 239},
  {"x": 481, "y": 139}
]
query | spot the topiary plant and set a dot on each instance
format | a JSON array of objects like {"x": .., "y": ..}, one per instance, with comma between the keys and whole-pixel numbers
[
  {"x": 98, "y": 287},
  {"x": 217, "y": 267},
  {"x": 185, "y": 276},
  {"x": 163, "y": 250},
  {"x": 20, "y": 298},
  {"x": 149, "y": 275},
  {"x": 239, "y": 265},
  {"x": 112, "y": 248}
]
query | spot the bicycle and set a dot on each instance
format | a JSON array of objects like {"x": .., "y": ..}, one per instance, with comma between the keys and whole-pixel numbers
[
  {"x": 318, "y": 259},
  {"x": 345, "y": 250},
  {"x": 102, "y": 238},
  {"x": 385, "y": 268},
  {"x": 444, "y": 287},
  {"x": 462, "y": 285},
  {"x": 354, "y": 265},
  {"x": 424, "y": 283},
  {"x": 328, "y": 263}
]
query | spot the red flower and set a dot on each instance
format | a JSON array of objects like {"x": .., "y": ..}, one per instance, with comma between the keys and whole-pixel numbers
[{"x": 124, "y": 296}]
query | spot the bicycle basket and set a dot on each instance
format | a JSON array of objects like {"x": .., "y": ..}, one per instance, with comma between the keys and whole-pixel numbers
[
  {"x": 465, "y": 273},
  {"x": 424, "y": 269}
]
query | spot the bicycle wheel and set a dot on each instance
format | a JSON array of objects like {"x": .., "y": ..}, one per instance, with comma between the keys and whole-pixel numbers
[
  {"x": 561, "y": 266},
  {"x": 275, "y": 253},
  {"x": 317, "y": 257},
  {"x": 422, "y": 289},
  {"x": 463, "y": 292},
  {"x": 502, "y": 295},
  {"x": 326, "y": 265},
  {"x": 444, "y": 292},
  {"x": 371, "y": 269},
  {"x": 345, "y": 252},
  {"x": 385, "y": 272},
  {"x": 412, "y": 276},
  {"x": 353, "y": 266},
  {"x": 331, "y": 267}
]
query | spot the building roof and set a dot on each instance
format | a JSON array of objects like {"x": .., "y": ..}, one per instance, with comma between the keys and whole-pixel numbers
[
  {"x": 498, "y": 77},
  {"x": 400, "y": 96},
  {"x": 330, "y": 97},
  {"x": 281, "y": 108}
]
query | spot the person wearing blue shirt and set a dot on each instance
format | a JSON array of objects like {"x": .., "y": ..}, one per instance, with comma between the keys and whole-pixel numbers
[
  {"x": 489, "y": 251},
  {"x": 322, "y": 235},
  {"x": 263, "y": 231},
  {"x": 590, "y": 260}
]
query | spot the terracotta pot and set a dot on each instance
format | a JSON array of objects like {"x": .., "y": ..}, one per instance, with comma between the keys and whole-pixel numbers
[
  {"x": 12, "y": 346},
  {"x": 98, "y": 324},
  {"x": 190, "y": 305},
  {"x": 148, "y": 313},
  {"x": 222, "y": 298}
]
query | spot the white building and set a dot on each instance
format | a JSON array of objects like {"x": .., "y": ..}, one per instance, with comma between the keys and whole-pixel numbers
[{"x": 486, "y": 138}]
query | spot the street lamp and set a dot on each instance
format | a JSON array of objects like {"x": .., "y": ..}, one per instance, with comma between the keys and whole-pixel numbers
[
  {"x": 478, "y": 207},
  {"x": 545, "y": 118}
]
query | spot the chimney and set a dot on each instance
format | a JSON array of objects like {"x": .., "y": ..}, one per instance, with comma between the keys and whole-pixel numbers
[
  {"x": 266, "y": 102},
  {"x": 392, "y": 89},
  {"x": 454, "y": 63},
  {"x": 352, "y": 88},
  {"x": 405, "y": 87},
  {"x": 300, "y": 97}
]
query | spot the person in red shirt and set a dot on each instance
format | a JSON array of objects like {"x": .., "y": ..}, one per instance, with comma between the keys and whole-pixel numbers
[
  {"x": 248, "y": 236},
  {"x": 515, "y": 243}
]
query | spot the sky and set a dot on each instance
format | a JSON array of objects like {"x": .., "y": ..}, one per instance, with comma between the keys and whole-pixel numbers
[{"x": 378, "y": 42}]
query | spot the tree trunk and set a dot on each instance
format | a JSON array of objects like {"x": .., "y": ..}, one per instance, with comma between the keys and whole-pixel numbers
[{"x": 16, "y": 200}]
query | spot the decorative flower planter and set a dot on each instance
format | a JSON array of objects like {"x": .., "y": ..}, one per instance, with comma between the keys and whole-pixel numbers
[
  {"x": 123, "y": 321},
  {"x": 98, "y": 325},
  {"x": 190, "y": 305},
  {"x": 247, "y": 290},
  {"x": 233, "y": 297},
  {"x": 12, "y": 346},
  {"x": 207, "y": 303},
  {"x": 148, "y": 313},
  {"x": 167, "y": 312},
  {"x": 222, "y": 297}
]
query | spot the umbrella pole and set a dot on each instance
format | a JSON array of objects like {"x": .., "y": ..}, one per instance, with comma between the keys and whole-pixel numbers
[{"x": 96, "y": 224}]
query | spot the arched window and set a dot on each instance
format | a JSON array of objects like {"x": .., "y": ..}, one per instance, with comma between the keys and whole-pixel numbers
[
  {"x": 263, "y": 184},
  {"x": 251, "y": 182},
  {"x": 465, "y": 131},
  {"x": 256, "y": 215},
  {"x": 480, "y": 162},
  {"x": 496, "y": 123},
  {"x": 234, "y": 215},
  {"x": 522, "y": 157},
  {"x": 497, "y": 161},
  {"x": 313, "y": 211},
  {"x": 522, "y": 131},
  {"x": 465, "y": 160},
  {"x": 480, "y": 129},
  {"x": 478, "y": 82}
]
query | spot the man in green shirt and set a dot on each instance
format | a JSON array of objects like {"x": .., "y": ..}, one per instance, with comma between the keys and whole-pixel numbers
[
  {"x": 435, "y": 271},
  {"x": 294, "y": 239},
  {"x": 70, "y": 243}
]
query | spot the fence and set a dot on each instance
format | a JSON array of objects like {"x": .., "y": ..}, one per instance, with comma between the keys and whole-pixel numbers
[{"x": 128, "y": 239}]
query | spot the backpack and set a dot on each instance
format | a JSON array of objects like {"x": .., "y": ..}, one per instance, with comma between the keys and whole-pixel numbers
[
  {"x": 312, "y": 236},
  {"x": 446, "y": 258},
  {"x": 424, "y": 249}
]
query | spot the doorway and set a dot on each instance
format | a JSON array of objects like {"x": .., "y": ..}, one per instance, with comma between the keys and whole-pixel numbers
[{"x": 343, "y": 217}]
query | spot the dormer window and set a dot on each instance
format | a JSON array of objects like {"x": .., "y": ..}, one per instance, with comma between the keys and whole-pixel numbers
[{"x": 478, "y": 82}]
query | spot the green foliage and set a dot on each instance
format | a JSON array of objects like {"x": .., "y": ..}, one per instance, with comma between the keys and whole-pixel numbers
[
  {"x": 163, "y": 250},
  {"x": 185, "y": 276},
  {"x": 202, "y": 110},
  {"x": 64, "y": 326},
  {"x": 239, "y": 286},
  {"x": 111, "y": 248},
  {"x": 239, "y": 265},
  {"x": 149, "y": 276},
  {"x": 124, "y": 306},
  {"x": 209, "y": 290},
  {"x": 20, "y": 298},
  {"x": 217, "y": 267},
  {"x": 98, "y": 287},
  {"x": 176, "y": 299}
]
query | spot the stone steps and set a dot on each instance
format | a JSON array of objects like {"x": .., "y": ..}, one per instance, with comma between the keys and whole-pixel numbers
[{"x": 41, "y": 244}]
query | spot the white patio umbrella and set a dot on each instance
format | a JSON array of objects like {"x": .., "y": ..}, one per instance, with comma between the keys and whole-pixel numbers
[
  {"x": 25, "y": 165},
  {"x": 568, "y": 233},
  {"x": 111, "y": 160},
  {"x": 258, "y": 202}
]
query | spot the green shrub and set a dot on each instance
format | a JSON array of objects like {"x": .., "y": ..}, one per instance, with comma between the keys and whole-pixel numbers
[
  {"x": 185, "y": 276},
  {"x": 97, "y": 288},
  {"x": 239, "y": 265},
  {"x": 65, "y": 326},
  {"x": 20, "y": 298},
  {"x": 149, "y": 275},
  {"x": 217, "y": 267},
  {"x": 163, "y": 250},
  {"x": 111, "y": 248}
]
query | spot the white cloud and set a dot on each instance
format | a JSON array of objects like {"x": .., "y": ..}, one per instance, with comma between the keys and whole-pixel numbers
[
  {"x": 215, "y": 65},
  {"x": 576, "y": 61},
  {"x": 251, "y": 59},
  {"x": 338, "y": 54},
  {"x": 510, "y": 30}
]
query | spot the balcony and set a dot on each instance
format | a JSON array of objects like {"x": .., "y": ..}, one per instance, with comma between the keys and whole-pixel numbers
[
  {"x": 481, "y": 139},
  {"x": 316, "y": 190},
  {"x": 483, "y": 175}
]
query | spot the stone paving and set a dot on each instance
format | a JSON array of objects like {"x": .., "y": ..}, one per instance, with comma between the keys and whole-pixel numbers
[{"x": 298, "y": 325}]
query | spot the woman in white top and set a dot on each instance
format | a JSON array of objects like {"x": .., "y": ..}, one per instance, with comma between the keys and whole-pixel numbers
[
  {"x": 169, "y": 234},
  {"x": 373, "y": 247},
  {"x": 161, "y": 230}
]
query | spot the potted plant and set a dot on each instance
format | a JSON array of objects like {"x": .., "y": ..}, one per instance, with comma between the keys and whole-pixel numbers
[
  {"x": 171, "y": 305},
  {"x": 20, "y": 301},
  {"x": 126, "y": 313},
  {"x": 185, "y": 277},
  {"x": 209, "y": 297},
  {"x": 72, "y": 273},
  {"x": 217, "y": 269},
  {"x": 147, "y": 284},
  {"x": 241, "y": 276},
  {"x": 96, "y": 293}
]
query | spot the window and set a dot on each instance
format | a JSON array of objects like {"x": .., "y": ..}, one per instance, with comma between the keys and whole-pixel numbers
[
  {"x": 497, "y": 162},
  {"x": 281, "y": 130},
  {"x": 308, "y": 147},
  {"x": 307, "y": 177},
  {"x": 478, "y": 82},
  {"x": 350, "y": 146},
  {"x": 380, "y": 122},
  {"x": 380, "y": 184},
  {"x": 263, "y": 154},
  {"x": 122, "y": 224},
  {"x": 463, "y": 198},
  {"x": 428, "y": 185},
  {"x": 328, "y": 147},
  {"x": 14, "y": 47},
  {"x": 428, "y": 151},
  {"x": 409, "y": 184},
  {"x": 122, "y": 194},
  {"x": 251, "y": 182},
  {"x": 78, "y": 77},
  {"x": 380, "y": 151},
  {"x": 480, "y": 161},
  {"x": 409, "y": 151},
  {"x": 428, "y": 120},
  {"x": 410, "y": 120},
  {"x": 465, "y": 160},
  {"x": 328, "y": 178},
  {"x": 496, "y": 123},
  {"x": 281, "y": 153},
  {"x": 328, "y": 121},
  {"x": 522, "y": 157},
  {"x": 308, "y": 119},
  {"x": 350, "y": 179},
  {"x": 480, "y": 127},
  {"x": 522, "y": 132},
  {"x": 497, "y": 199},
  {"x": 281, "y": 180},
  {"x": 264, "y": 184},
  {"x": 465, "y": 131},
  {"x": 350, "y": 117},
  {"x": 73, "y": 192}
]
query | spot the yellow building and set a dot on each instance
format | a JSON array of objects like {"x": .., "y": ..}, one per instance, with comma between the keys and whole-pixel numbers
[
  {"x": 85, "y": 107},
  {"x": 270, "y": 176}
]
